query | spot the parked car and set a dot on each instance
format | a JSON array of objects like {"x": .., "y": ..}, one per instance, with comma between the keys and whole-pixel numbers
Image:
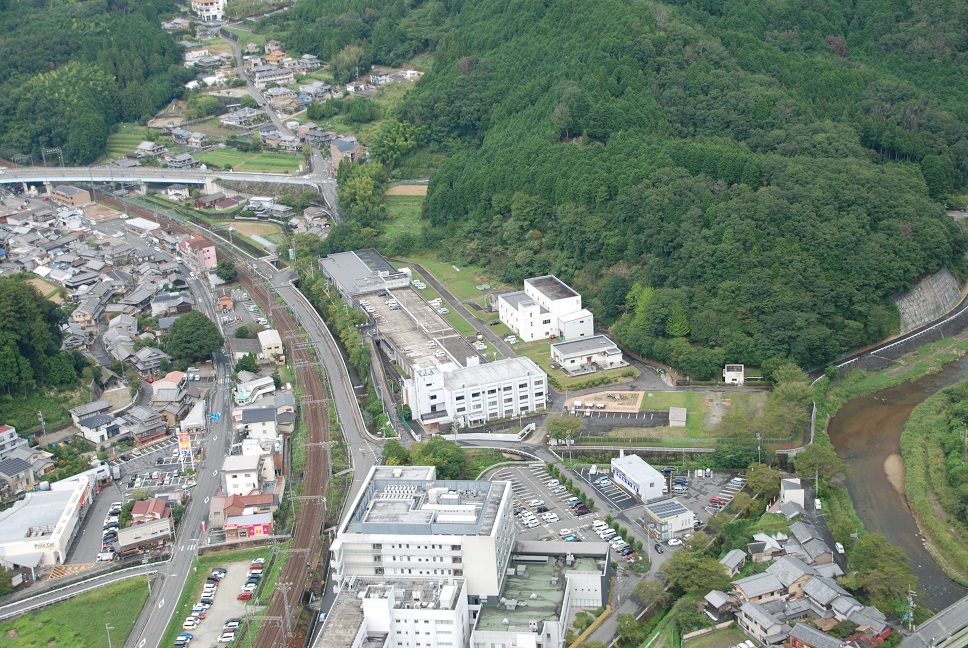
[
  {"x": 541, "y": 509},
  {"x": 675, "y": 542},
  {"x": 190, "y": 623},
  {"x": 244, "y": 596},
  {"x": 658, "y": 548}
]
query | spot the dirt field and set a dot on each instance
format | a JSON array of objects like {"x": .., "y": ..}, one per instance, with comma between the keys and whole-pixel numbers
[
  {"x": 407, "y": 190},
  {"x": 255, "y": 229},
  {"x": 100, "y": 212},
  {"x": 46, "y": 289},
  {"x": 625, "y": 401}
]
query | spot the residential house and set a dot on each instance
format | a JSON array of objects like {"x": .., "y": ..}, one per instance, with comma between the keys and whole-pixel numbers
[
  {"x": 344, "y": 147},
  {"x": 813, "y": 548},
  {"x": 221, "y": 508},
  {"x": 243, "y": 117},
  {"x": 279, "y": 94},
  {"x": 150, "y": 149},
  {"x": 207, "y": 201},
  {"x": 766, "y": 547},
  {"x": 260, "y": 423},
  {"x": 181, "y": 161},
  {"x": 71, "y": 195},
  {"x": 172, "y": 403},
  {"x": 762, "y": 626},
  {"x": 10, "y": 441},
  {"x": 41, "y": 462},
  {"x": 792, "y": 491},
  {"x": 149, "y": 510},
  {"x": 272, "y": 46},
  {"x": 759, "y": 588},
  {"x": 380, "y": 78},
  {"x": 316, "y": 90},
  {"x": 733, "y": 562},
  {"x": 242, "y": 474},
  {"x": 172, "y": 303},
  {"x": 88, "y": 313},
  {"x": 15, "y": 475},
  {"x": 148, "y": 359},
  {"x": 806, "y": 636},
  {"x": 792, "y": 573},
  {"x": 146, "y": 425},
  {"x": 99, "y": 428},
  {"x": 178, "y": 191},
  {"x": 89, "y": 409},
  {"x": 829, "y": 599},
  {"x": 718, "y": 606}
]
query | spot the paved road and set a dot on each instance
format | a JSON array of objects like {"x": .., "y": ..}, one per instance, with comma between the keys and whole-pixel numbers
[
  {"x": 145, "y": 174},
  {"x": 157, "y": 614}
]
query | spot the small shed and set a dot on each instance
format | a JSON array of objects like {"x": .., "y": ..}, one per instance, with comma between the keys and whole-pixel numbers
[{"x": 677, "y": 416}]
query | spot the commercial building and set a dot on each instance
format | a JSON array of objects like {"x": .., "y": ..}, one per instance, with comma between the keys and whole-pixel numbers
[
  {"x": 667, "y": 519},
  {"x": 70, "y": 195},
  {"x": 406, "y": 523},
  {"x": 38, "y": 529},
  {"x": 362, "y": 272},
  {"x": 547, "y": 308},
  {"x": 467, "y": 396},
  {"x": 248, "y": 526},
  {"x": 596, "y": 353},
  {"x": 254, "y": 389},
  {"x": 398, "y": 613},
  {"x": 154, "y": 535},
  {"x": 141, "y": 225},
  {"x": 199, "y": 253},
  {"x": 640, "y": 479}
]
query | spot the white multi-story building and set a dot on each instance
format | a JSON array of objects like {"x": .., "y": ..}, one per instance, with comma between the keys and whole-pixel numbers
[
  {"x": 405, "y": 613},
  {"x": 405, "y": 523},
  {"x": 10, "y": 441},
  {"x": 476, "y": 393},
  {"x": 209, "y": 10},
  {"x": 546, "y": 308},
  {"x": 242, "y": 474}
]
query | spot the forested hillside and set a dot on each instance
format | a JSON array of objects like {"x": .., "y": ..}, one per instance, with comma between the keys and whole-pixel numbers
[
  {"x": 740, "y": 181},
  {"x": 72, "y": 70}
]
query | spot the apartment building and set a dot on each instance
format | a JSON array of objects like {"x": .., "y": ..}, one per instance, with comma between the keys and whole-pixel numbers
[
  {"x": 242, "y": 474},
  {"x": 10, "y": 441},
  {"x": 263, "y": 75},
  {"x": 405, "y": 523},
  {"x": 209, "y": 10},
  {"x": 199, "y": 253}
]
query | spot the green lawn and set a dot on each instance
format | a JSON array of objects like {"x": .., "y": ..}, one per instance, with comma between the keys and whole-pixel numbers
[
  {"x": 196, "y": 579},
  {"x": 418, "y": 165},
  {"x": 246, "y": 37},
  {"x": 717, "y": 639},
  {"x": 80, "y": 621},
  {"x": 462, "y": 281},
  {"x": 252, "y": 162},
  {"x": 21, "y": 412},
  {"x": 404, "y": 213}
]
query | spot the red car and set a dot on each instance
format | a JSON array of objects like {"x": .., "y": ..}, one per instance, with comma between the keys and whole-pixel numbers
[
  {"x": 716, "y": 500},
  {"x": 244, "y": 596}
]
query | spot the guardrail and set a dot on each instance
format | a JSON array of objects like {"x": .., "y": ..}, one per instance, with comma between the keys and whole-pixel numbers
[{"x": 140, "y": 570}]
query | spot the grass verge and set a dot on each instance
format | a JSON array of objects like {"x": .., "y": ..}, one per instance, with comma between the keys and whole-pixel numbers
[
  {"x": 21, "y": 412},
  {"x": 81, "y": 620},
  {"x": 932, "y": 447}
]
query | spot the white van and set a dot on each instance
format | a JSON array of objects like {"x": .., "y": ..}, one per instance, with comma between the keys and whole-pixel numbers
[{"x": 597, "y": 524}]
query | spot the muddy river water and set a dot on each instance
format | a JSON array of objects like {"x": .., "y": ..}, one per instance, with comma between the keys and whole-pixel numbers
[{"x": 867, "y": 435}]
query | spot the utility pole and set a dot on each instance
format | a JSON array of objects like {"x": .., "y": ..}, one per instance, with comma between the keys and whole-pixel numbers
[
  {"x": 43, "y": 425},
  {"x": 759, "y": 454},
  {"x": 911, "y": 606}
]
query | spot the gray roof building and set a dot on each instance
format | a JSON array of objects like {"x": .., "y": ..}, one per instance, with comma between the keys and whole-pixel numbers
[{"x": 813, "y": 637}]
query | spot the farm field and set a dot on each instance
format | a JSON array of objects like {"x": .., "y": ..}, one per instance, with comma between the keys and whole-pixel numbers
[
  {"x": 252, "y": 162},
  {"x": 80, "y": 621},
  {"x": 255, "y": 229},
  {"x": 125, "y": 141},
  {"x": 47, "y": 289}
]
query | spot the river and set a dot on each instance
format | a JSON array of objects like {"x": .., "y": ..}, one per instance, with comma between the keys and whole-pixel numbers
[{"x": 867, "y": 435}]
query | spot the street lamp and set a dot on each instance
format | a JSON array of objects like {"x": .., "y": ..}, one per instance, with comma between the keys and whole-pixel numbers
[{"x": 109, "y": 629}]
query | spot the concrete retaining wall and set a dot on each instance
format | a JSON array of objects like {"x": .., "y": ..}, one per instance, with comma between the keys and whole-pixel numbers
[{"x": 931, "y": 298}]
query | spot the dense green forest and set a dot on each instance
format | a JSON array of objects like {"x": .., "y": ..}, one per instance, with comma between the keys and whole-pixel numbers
[
  {"x": 743, "y": 181},
  {"x": 30, "y": 340},
  {"x": 71, "y": 71}
]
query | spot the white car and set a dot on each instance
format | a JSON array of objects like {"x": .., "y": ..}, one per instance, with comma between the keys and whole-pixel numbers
[
  {"x": 443, "y": 311},
  {"x": 558, "y": 489},
  {"x": 532, "y": 524},
  {"x": 551, "y": 517},
  {"x": 536, "y": 502},
  {"x": 674, "y": 542},
  {"x": 565, "y": 533},
  {"x": 227, "y": 636}
]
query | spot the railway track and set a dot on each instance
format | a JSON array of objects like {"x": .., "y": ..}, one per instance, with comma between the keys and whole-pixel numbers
[{"x": 280, "y": 624}]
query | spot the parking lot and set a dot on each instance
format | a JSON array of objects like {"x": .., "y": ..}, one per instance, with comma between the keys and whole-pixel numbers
[
  {"x": 618, "y": 498},
  {"x": 244, "y": 311},
  {"x": 225, "y": 607}
]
